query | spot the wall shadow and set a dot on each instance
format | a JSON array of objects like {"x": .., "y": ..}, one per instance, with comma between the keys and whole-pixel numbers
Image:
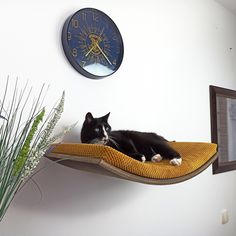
[{"x": 68, "y": 191}]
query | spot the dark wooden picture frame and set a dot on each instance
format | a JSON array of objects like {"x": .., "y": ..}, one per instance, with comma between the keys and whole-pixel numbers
[{"x": 223, "y": 127}]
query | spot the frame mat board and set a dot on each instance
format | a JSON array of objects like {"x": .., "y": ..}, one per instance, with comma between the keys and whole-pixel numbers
[{"x": 106, "y": 160}]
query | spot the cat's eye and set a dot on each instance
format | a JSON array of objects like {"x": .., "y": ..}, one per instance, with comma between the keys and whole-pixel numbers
[
  {"x": 97, "y": 130},
  {"x": 107, "y": 128}
]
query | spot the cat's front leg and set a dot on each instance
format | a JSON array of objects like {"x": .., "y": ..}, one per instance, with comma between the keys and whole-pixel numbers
[
  {"x": 156, "y": 158},
  {"x": 177, "y": 161}
]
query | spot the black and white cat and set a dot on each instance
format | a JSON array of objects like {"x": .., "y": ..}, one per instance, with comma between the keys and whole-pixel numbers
[{"x": 138, "y": 145}]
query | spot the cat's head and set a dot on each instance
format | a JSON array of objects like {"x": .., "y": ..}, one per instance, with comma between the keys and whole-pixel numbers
[{"x": 95, "y": 130}]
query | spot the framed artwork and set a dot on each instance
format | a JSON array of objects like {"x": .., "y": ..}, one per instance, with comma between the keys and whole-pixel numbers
[{"x": 223, "y": 127}]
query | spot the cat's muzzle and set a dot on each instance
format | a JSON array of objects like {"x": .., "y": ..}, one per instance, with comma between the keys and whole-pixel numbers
[{"x": 102, "y": 141}]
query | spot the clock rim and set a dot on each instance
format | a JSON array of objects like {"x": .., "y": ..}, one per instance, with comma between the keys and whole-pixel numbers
[{"x": 67, "y": 51}]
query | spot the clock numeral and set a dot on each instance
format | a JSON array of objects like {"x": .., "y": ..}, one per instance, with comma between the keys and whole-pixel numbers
[
  {"x": 74, "y": 52},
  {"x": 84, "y": 16},
  {"x": 75, "y": 23},
  {"x": 83, "y": 63},
  {"x": 114, "y": 62},
  {"x": 114, "y": 37},
  {"x": 69, "y": 36},
  {"x": 95, "y": 17}
]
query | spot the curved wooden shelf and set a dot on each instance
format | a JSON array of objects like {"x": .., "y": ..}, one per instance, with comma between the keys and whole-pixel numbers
[{"x": 107, "y": 161}]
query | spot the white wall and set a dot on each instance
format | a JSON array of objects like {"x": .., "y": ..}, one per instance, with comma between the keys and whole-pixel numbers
[{"x": 174, "y": 49}]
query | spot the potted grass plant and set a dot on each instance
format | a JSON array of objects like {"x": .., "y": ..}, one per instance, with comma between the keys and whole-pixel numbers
[{"x": 25, "y": 135}]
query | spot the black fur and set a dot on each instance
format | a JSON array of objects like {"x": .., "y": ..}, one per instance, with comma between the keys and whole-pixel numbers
[{"x": 132, "y": 143}]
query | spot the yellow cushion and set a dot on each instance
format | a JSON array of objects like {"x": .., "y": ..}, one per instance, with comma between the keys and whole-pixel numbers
[{"x": 194, "y": 156}]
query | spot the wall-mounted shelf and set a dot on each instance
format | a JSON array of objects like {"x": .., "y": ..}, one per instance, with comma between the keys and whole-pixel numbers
[{"x": 106, "y": 160}]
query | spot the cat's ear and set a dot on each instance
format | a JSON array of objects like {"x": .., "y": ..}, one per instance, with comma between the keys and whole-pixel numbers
[
  {"x": 89, "y": 117},
  {"x": 105, "y": 118}
]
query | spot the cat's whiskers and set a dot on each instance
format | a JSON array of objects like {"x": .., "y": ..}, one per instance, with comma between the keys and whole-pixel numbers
[{"x": 113, "y": 141}]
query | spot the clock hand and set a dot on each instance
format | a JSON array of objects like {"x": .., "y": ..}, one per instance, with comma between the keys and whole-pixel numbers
[
  {"x": 103, "y": 53},
  {"x": 90, "y": 50},
  {"x": 95, "y": 39}
]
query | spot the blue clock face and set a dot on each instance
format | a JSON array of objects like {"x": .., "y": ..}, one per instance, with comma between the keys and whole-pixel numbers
[{"x": 92, "y": 43}]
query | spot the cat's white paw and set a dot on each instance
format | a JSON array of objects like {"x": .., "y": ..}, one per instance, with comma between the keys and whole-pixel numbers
[
  {"x": 143, "y": 158},
  {"x": 176, "y": 161},
  {"x": 156, "y": 158}
]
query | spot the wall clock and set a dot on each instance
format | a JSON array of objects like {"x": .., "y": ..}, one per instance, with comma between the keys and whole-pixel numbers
[{"x": 92, "y": 43}]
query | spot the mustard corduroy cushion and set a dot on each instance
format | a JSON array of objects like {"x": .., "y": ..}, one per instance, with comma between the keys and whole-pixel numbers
[{"x": 194, "y": 156}]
